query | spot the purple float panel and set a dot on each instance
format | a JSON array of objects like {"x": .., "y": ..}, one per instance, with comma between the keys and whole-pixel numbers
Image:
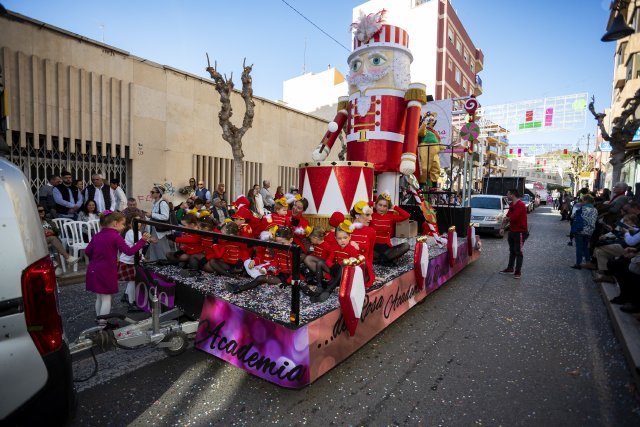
[
  {"x": 294, "y": 358},
  {"x": 165, "y": 289}
]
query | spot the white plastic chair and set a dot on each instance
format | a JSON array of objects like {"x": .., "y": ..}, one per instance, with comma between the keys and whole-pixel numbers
[
  {"x": 76, "y": 239},
  {"x": 94, "y": 227},
  {"x": 60, "y": 222}
]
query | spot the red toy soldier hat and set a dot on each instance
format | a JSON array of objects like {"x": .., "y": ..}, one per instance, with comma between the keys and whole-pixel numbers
[
  {"x": 241, "y": 201},
  {"x": 243, "y": 213},
  {"x": 336, "y": 219}
]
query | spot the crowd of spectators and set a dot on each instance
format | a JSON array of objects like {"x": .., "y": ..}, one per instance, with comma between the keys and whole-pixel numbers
[{"x": 606, "y": 230}]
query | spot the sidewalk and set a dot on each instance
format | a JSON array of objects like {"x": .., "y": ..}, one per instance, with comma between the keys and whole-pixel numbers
[{"x": 627, "y": 329}]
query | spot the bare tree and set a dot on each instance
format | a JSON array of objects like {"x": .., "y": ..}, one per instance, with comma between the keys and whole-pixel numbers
[
  {"x": 231, "y": 133},
  {"x": 623, "y": 128}
]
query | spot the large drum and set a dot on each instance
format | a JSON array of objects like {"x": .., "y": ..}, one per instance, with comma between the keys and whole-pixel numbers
[{"x": 335, "y": 186}]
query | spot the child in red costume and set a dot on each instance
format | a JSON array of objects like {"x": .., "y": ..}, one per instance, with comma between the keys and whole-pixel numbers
[
  {"x": 197, "y": 261},
  {"x": 190, "y": 244},
  {"x": 297, "y": 205},
  {"x": 383, "y": 221},
  {"x": 242, "y": 217},
  {"x": 226, "y": 258},
  {"x": 277, "y": 218},
  {"x": 277, "y": 271},
  {"x": 343, "y": 250},
  {"x": 364, "y": 236}
]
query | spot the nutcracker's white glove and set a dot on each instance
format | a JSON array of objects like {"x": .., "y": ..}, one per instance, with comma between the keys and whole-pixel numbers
[
  {"x": 408, "y": 164},
  {"x": 320, "y": 153}
]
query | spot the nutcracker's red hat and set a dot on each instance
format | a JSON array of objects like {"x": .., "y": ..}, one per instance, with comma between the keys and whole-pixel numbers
[{"x": 389, "y": 36}]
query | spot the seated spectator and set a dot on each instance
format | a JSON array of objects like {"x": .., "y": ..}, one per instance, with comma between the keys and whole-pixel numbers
[
  {"x": 89, "y": 212},
  {"x": 626, "y": 270},
  {"x": 279, "y": 193},
  {"x": 220, "y": 211},
  {"x": 45, "y": 195},
  {"x": 619, "y": 238},
  {"x": 51, "y": 234}
]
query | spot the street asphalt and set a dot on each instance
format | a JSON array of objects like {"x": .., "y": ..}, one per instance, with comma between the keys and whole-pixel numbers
[{"x": 486, "y": 349}]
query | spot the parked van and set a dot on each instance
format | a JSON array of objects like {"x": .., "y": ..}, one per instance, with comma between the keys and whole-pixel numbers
[{"x": 35, "y": 364}]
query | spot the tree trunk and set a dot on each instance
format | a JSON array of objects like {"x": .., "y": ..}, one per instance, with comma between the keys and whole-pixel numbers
[
  {"x": 231, "y": 133},
  {"x": 616, "y": 160}
]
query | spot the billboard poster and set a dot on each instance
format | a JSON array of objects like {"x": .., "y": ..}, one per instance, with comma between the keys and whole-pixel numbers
[{"x": 443, "y": 109}]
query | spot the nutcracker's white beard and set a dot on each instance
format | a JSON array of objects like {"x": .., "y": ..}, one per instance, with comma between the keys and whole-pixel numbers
[{"x": 401, "y": 78}]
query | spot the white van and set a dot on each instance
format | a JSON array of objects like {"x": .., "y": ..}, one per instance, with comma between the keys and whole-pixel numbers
[{"x": 35, "y": 364}]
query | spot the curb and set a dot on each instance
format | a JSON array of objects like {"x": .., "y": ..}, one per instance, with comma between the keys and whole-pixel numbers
[
  {"x": 627, "y": 329},
  {"x": 72, "y": 277}
]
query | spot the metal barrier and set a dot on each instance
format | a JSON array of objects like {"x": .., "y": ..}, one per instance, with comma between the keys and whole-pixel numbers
[{"x": 294, "y": 313}]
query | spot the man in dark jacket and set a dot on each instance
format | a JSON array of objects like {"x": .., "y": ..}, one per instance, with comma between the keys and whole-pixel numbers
[
  {"x": 99, "y": 193},
  {"x": 68, "y": 199},
  {"x": 518, "y": 232}
]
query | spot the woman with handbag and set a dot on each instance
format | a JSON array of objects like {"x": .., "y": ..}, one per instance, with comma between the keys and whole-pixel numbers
[{"x": 160, "y": 211}]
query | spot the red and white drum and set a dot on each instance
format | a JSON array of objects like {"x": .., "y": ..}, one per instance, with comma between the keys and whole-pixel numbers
[{"x": 335, "y": 186}]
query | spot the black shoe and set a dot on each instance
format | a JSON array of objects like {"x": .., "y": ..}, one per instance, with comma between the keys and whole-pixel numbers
[
  {"x": 618, "y": 300},
  {"x": 134, "y": 309},
  {"x": 569, "y": 243},
  {"x": 577, "y": 267},
  {"x": 124, "y": 298}
]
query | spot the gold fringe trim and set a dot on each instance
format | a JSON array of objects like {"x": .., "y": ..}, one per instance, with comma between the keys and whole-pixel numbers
[
  {"x": 416, "y": 94},
  {"x": 343, "y": 105}
]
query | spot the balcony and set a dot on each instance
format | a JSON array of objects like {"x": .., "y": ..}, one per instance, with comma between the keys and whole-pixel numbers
[
  {"x": 479, "y": 60},
  {"x": 477, "y": 91}
]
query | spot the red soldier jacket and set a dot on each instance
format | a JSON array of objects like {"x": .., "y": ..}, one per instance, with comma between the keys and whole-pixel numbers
[
  {"x": 384, "y": 225},
  {"x": 365, "y": 237},
  {"x": 338, "y": 254},
  {"x": 229, "y": 252},
  {"x": 190, "y": 244}
]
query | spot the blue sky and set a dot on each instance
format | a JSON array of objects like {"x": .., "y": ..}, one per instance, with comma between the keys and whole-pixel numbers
[{"x": 532, "y": 49}]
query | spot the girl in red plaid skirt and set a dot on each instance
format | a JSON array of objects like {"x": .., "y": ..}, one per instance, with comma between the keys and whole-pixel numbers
[{"x": 126, "y": 267}]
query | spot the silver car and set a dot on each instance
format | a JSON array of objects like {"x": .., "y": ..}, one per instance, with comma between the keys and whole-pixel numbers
[{"x": 489, "y": 212}]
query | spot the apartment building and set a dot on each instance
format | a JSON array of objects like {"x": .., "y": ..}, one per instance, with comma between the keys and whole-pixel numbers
[{"x": 626, "y": 77}]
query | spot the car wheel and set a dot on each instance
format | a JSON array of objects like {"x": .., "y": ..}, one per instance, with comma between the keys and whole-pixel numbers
[{"x": 500, "y": 233}]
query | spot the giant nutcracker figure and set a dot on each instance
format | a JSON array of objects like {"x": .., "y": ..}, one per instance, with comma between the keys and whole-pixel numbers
[{"x": 382, "y": 111}]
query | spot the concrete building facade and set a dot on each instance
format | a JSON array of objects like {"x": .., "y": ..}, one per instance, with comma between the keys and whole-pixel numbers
[
  {"x": 78, "y": 104},
  {"x": 626, "y": 82}
]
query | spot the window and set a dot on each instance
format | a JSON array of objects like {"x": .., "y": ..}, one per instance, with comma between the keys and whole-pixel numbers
[
  {"x": 450, "y": 64},
  {"x": 473, "y": 67},
  {"x": 464, "y": 86},
  {"x": 458, "y": 46},
  {"x": 450, "y": 34},
  {"x": 621, "y": 51},
  {"x": 633, "y": 66},
  {"x": 458, "y": 75},
  {"x": 449, "y": 96},
  {"x": 466, "y": 56}
]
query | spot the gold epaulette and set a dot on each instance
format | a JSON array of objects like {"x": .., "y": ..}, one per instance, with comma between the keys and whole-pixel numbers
[{"x": 416, "y": 94}]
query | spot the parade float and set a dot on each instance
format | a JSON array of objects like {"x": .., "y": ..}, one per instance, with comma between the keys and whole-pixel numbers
[{"x": 277, "y": 332}]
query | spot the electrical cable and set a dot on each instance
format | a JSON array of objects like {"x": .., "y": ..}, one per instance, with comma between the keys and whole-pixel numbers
[
  {"x": 95, "y": 369},
  {"x": 323, "y": 31}
]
